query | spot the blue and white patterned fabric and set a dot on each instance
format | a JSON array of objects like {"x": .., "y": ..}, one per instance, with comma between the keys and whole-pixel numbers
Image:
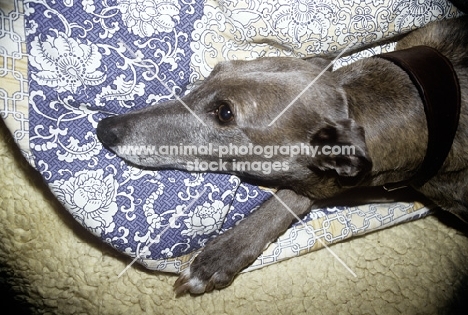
[{"x": 89, "y": 59}]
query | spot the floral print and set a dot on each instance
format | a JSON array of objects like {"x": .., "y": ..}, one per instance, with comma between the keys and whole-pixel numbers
[
  {"x": 206, "y": 218},
  {"x": 416, "y": 13},
  {"x": 91, "y": 199},
  {"x": 65, "y": 64},
  {"x": 301, "y": 18},
  {"x": 146, "y": 18}
]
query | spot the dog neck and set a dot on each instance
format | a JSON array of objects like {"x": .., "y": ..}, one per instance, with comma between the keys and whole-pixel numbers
[
  {"x": 435, "y": 95},
  {"x": 439, "y": 90}
]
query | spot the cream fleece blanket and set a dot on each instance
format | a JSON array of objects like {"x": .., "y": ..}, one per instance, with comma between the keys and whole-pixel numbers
[{"x": 57, "y": 267}]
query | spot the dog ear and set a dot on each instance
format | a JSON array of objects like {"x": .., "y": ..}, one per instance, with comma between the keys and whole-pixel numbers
[{"x": 341, "y": 148}]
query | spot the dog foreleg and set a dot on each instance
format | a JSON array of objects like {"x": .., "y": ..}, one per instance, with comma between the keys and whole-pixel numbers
[{"x": 224, "y": 257}]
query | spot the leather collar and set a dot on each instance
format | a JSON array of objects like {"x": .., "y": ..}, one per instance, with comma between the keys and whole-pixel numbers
[{"x": 438, "y": 86}]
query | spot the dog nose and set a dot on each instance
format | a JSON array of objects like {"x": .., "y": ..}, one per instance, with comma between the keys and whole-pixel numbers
[{"x": 107, "y": 132}]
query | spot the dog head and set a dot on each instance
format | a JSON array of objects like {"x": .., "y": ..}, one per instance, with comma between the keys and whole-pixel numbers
[{"x": 248, "y": 118}]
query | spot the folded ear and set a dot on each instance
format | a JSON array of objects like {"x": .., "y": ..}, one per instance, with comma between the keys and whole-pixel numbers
[{"x": 341, "y": 148}]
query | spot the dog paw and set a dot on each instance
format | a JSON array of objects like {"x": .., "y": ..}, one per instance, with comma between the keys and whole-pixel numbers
[
  {"x": 186, "y": 283},
  {"x": 189, "y": 282},
  {"x": 216, "y": 265}
]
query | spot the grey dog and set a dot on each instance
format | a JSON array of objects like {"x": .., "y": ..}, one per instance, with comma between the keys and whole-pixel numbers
[{"x": 371, "y": 105}]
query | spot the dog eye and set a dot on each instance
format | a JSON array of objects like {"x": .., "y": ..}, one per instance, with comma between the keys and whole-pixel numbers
[{"x": 224, "y": 113}]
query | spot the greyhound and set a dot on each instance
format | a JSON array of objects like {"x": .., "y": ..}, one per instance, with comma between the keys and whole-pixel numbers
[{"x": 372, "y": 105}]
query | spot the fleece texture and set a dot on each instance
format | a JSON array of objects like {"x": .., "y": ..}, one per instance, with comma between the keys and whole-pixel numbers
[{"x": 54, "y": 266}]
